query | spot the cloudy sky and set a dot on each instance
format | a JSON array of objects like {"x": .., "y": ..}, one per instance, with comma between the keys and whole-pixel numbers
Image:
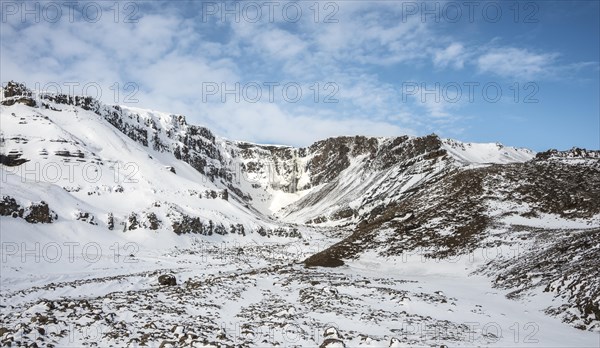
[{"x": 521, "y": 73}]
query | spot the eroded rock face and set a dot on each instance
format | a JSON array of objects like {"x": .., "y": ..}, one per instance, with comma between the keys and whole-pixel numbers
[{"x": 332, "y": 155}]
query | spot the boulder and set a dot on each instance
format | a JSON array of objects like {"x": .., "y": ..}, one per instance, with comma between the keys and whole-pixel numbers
[
  {"x": 167, "y": 279},
  {"x": 39, "y": 213}
]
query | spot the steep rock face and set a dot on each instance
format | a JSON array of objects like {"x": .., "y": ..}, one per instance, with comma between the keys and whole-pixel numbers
[
  {"x": 409, "y": 150},
  {"x": 192, "y": 144},
  {"x": 330, "y": 157},
  {"x": 360, "y": 174},
  {"x": 263, "y": 166}
]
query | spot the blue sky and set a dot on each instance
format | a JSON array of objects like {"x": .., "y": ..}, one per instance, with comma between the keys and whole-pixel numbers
[{"x": 520, "y": 73}]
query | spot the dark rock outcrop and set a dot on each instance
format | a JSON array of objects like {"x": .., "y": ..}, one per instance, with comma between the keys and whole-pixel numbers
[
  {"x": 12, "y": 159},
  {"x": 323, "y": 260},
  {"x": 86, "y": 217},
  {"x": 152, "y": 222},
  {"x": 10, "y": 207},
  {"x": 167, "y": 280},
  {"x": 39, "y": 213}
]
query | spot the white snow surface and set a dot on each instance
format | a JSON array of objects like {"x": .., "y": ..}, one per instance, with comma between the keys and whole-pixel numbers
[
  {"x": 407, "y": 301},
  {"x": 482, "y": 153}
]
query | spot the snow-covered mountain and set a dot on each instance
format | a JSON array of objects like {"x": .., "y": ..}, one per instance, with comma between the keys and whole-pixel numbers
[
  {"x": 169, "y": 170},
  {"x": 77, "y": 170}
]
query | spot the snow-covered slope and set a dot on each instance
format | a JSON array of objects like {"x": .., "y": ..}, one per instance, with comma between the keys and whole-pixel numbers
[
  {"x": 539, "y": 221},
  {"x": 129, "y": 168},
  {"x": 137, "y": 193},
  {"x": 332, "y": 182},
  {"x": 477, "y": 153}
]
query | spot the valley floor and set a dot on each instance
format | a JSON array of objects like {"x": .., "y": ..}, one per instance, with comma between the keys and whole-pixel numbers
[{"x": 254, "y": 293}]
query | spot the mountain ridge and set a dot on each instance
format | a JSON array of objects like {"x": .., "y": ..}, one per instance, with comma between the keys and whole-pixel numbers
[
  {"x": 74, "y": 163},
  {"x": 210, "y": 155}
]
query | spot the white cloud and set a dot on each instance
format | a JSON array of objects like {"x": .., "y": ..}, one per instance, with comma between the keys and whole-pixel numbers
[
  {"x": 370, "y": 33},
  {"x": 169, "y": 56},
  {"x": 454, "y": 55},
  {"x": 272, "y": 123},
  {"x": 282, "y": 44},
  {"x": 516, "y": 63}
]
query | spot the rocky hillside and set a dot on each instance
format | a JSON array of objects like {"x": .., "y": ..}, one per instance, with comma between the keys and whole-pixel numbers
[
  {"x": 548, "y": 209},
  {"x": 334, "y": 182},
  {"x": 77, "y": 162}
]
